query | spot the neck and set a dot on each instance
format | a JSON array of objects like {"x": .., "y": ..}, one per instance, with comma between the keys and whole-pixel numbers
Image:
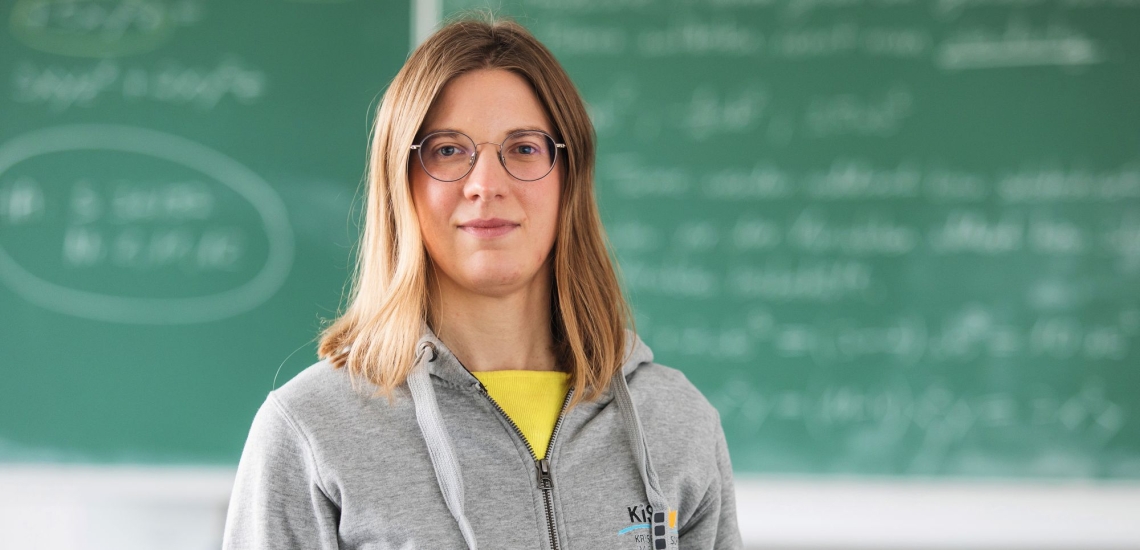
[{"x": 502, "y": 332}]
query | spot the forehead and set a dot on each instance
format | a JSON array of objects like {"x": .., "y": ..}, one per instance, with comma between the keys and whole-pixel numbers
[{"x": 487, "y": 104}]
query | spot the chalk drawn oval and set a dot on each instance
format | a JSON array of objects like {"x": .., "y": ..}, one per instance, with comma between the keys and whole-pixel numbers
[
  {"x": 31, "y": 24},
  {"x": 222, "y": 169}
]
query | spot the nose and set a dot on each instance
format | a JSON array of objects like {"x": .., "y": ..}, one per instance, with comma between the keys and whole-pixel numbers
[{"x": 488, "y": 177}]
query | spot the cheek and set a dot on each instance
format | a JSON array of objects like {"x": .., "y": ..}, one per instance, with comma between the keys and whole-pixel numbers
[
  {"x": 548, "y": 204},
  {"x": 430, "y": 211}
]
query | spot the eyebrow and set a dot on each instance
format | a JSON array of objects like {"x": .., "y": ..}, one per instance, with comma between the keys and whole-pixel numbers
[{"x": 509, "y": 132}]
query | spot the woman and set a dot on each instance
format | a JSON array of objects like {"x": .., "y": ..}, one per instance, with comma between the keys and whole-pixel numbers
[{"x": 520, "y": 411}]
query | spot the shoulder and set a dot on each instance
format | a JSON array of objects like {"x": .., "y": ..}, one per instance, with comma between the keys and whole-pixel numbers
[
  {"x": 317, "y": 383},
  {"x": 665, "y": 392},
  {"x": 322, "y": 397},
  {"x": 682, "y": 432}
]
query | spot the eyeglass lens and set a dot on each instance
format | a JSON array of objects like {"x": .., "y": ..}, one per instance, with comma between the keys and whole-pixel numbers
[{"x": 448, "y": 156}]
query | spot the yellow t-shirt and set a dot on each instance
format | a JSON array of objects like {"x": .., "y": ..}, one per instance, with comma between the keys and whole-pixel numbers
[{"x": 532, "y": 400}]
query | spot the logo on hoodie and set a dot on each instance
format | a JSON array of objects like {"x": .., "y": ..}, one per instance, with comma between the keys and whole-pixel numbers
[{"x": 651, "y": 530}]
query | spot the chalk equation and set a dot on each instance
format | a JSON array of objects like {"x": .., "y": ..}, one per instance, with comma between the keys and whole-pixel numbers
[
  {"x": 1015, "y": 42},
  {"x": 169, "y": 82},
  {"x": 145, "y": 227},
  {"x": 964, "y": 335},
  {"x": 848, "y": 178},
  {"x": 936, "y": 428},
  {"x": 826, "y": 255},
  {"x": 101, "y": 28}
]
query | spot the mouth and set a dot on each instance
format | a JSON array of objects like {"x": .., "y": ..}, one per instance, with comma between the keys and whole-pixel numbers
[{"x": 489, "y": 228}]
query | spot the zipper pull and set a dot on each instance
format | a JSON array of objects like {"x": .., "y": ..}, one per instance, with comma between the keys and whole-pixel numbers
[{"x": 544, "y": 473}]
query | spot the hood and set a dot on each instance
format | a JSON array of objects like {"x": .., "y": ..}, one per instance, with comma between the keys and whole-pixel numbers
[{"x": 434, "y": 359}]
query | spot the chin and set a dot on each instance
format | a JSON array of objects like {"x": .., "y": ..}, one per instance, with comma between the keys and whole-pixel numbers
[{"x": 496, "y": 282}]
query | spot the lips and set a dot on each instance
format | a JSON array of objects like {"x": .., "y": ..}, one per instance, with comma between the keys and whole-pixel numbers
[
  {"x": 489, "y": 228},
  {"x": 488, "y": 222}
]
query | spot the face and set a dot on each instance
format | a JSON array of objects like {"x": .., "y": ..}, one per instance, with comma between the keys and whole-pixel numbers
[{"x": 487, "y": 105}]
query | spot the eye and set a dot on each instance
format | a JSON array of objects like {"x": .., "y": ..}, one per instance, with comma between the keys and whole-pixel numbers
[
  {"x": 449, "y": 152},
  {"x": 447, "y": 146},
  {"x": 525, "y": 148}
]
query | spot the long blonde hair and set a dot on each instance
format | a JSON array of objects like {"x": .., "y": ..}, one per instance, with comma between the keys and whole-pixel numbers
[{"x": 376, "y": 335}]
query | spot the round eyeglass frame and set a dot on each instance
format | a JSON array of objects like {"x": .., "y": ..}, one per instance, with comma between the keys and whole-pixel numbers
[{"x": 418, "y": 148}]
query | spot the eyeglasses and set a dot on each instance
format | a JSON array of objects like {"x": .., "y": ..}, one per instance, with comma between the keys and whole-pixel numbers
[{"x": 527, "y": 155}]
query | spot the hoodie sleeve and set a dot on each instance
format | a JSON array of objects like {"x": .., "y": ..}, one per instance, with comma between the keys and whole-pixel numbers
[
  {"x": 278, "y": 500},
  {"x": 713, "y": 525}
]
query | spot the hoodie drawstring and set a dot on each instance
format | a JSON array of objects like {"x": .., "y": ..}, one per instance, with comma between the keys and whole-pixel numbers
[
  {"x": 439, "y": 445},
  {"x": 637, "y": 444}
]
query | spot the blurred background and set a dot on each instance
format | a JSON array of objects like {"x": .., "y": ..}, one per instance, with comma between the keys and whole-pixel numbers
[{"x": 895, "y": 242}]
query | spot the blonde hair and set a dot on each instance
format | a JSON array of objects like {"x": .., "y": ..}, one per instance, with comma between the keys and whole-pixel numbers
[{"x": 376, "y": 335}]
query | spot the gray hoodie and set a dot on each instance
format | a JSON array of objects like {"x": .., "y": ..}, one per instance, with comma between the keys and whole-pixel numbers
[{"x": 443, "y": 467}]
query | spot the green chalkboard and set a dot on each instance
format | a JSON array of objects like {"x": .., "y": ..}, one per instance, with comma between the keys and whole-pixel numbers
[
  {"x": 891, "y": 238},
  {"x": 176, "y": 178},
  {"x": 885, "y": 238}
]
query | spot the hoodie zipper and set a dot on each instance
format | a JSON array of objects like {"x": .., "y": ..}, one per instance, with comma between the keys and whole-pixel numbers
[{"x": 541, "y": 464}]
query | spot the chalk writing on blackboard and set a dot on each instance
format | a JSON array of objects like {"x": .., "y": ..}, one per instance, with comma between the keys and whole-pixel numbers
[
  {"x": 101, "y": 28},
  {"x": 183, "y": 221},
  {"x": 167, "y": 81}
]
